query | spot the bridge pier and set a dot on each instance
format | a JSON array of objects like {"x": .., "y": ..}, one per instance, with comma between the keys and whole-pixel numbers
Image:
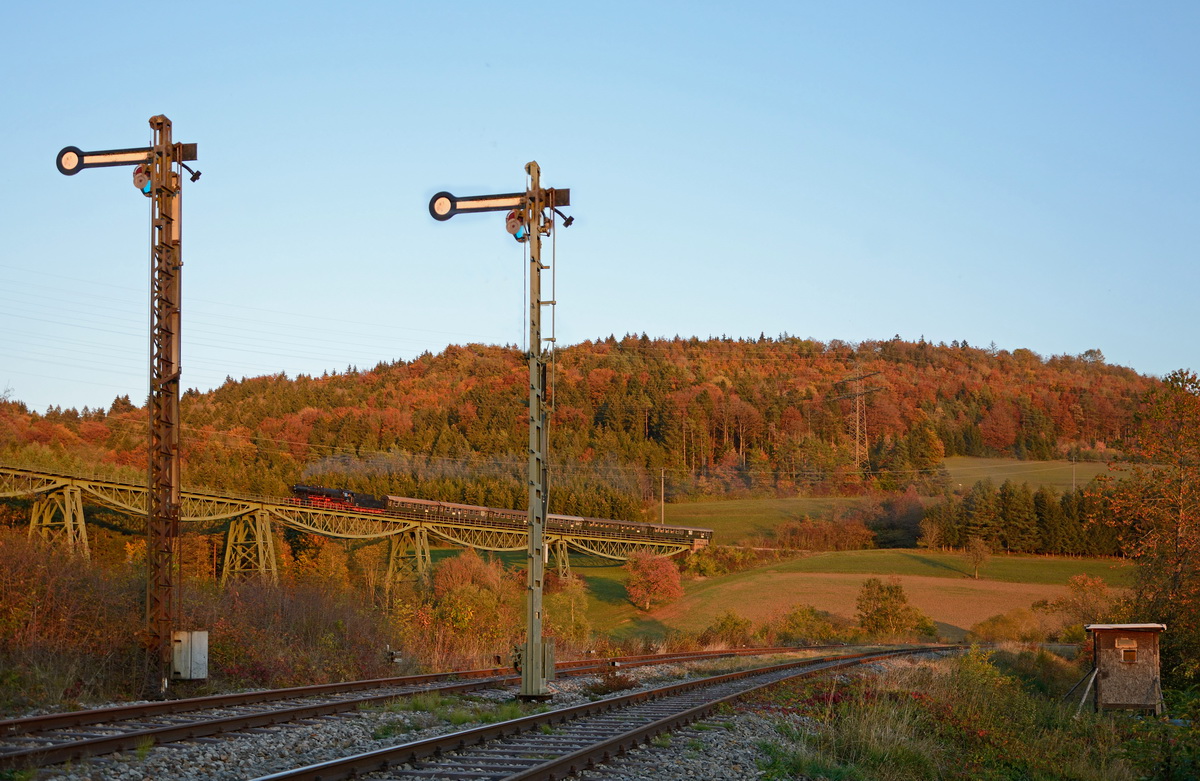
[
  {"x": 560, "y": 554},
  {"x": 405, "y": 566},
  {"x": 57, "y": 518},
  {"x": 250, "y": 549}
]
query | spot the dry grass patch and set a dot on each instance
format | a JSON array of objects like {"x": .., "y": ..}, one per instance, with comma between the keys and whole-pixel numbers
[
  {"x": 955, "y": 605},
  {"x": 951, "y": 719}
]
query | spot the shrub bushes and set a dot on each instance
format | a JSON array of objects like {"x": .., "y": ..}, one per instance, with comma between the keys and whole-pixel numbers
[
  {"x": 957, "y": 718},
  {"x": 1017, "y": 625},
  {"x": 66, "y": 629}
]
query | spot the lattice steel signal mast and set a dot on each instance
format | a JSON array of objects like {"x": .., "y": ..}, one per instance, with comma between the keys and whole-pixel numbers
[
  {"x": 156, "y": 176},
  {"x": 530, "y": 217}
]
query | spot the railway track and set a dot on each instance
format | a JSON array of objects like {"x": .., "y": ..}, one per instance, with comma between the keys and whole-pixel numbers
[
  {"x": 554, "y": 745},
  {"x": 51, "y": 739}
]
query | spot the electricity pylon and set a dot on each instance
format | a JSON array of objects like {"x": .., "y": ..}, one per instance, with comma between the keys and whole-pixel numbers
[{"x": 859, "y": 453}]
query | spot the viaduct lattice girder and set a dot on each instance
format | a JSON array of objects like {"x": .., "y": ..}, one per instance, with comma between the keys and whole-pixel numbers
[
  {"x": 16, "y": 483},
  {"x": 212, "y": 508}
]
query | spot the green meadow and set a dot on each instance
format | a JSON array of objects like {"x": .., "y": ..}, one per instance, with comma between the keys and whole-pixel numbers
[
  {"x": 965, "y": 471},
  {"x": 1048, "y": 570},
  {"x": 939, "y": 583},
  {"x": 739, "y": 519}
]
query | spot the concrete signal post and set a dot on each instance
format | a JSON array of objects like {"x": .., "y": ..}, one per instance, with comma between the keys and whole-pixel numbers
[
  {"x": 530, "y": 217},
  {"x": 156, "y": 176}
]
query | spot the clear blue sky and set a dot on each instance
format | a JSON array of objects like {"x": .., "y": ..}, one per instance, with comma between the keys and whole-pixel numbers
[{"x": 1026, "y": 174}]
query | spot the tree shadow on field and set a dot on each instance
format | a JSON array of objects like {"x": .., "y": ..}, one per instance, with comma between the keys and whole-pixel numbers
[
  {"x": 639, "y": 627},
  {"x": 611, "y": 592},
  {"x": 950, "y": 631},
  {"x": 937, "y": 564}
]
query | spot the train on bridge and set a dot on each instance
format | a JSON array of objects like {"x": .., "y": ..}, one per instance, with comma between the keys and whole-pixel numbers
[{"x": 426, "y": 509}]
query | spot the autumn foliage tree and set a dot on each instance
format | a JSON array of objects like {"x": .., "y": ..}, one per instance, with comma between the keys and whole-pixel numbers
[
  {"x": 722, "y": 416},
  {"x": 478, "y": 601},
  {"x": 1157, "y": 501},
  {"x": 652, "y": 580},
  {"x": 883, "y": 611},
  {"x": 1088, "y": 601},
  {"x": 977, "y": 554},
  {"x": 565, "y": 604}
]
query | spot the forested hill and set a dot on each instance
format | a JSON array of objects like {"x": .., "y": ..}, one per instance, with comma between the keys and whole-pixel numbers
[{"x": 720, "y": 416}]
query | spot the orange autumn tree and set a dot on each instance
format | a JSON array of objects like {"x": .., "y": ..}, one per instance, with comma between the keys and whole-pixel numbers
[
  {"x": 653, "y": 580},
  {"x": 1158, "y": 503}
]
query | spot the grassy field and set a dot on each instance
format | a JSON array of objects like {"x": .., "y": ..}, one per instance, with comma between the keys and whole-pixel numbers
[
  {"x": 738, "y": 519},
  {"x": 965, "y": 471},
  {"x": 1041, "y": 570},
  {"x": 937, "y": 583}
]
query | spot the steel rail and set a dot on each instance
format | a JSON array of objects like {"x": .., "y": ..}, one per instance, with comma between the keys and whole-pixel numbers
[
  {"x": 51, "y": 721},
  {"x": 602, "y": 751},
  {"x": 392, "y": 759},
  {"x": 28, "y": 729}
]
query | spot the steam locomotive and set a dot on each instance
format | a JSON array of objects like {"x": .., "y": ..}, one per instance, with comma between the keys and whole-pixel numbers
[
  {"x": 425, "y": 509},
  {"x": 336, "y": 498}
]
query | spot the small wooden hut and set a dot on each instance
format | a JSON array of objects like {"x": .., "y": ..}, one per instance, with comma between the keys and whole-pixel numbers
[{"x": 1125, "y": 657}]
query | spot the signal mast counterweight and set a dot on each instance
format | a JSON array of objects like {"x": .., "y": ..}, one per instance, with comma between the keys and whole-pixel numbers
[
  {"x": 530, "y": 217},
  {"x": 155, "y": 176}
]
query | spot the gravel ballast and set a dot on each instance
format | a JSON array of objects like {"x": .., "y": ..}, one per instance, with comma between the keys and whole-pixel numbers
[{"x": 722, "y": 747}]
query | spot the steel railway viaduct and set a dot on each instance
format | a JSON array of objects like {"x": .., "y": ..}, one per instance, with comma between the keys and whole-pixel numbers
[{"x": 248, "y": 523}]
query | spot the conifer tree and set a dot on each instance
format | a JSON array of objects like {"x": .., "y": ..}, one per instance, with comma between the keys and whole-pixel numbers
[
  {"x": 981, "y": 513},
  {"x": 1019, "y": 530},
  {"x": 1052, "y": 523}
]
